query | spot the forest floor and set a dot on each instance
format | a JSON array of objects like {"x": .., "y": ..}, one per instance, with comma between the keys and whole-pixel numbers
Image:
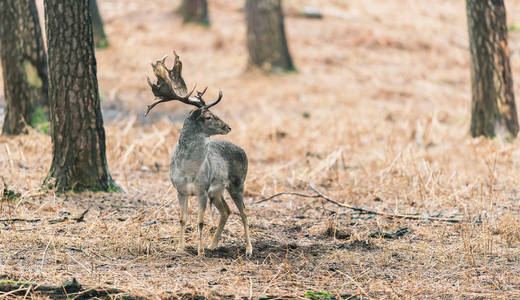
[{"x": 376, "y": 116}]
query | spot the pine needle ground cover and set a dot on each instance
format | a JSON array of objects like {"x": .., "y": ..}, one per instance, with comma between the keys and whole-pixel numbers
[{"x": 376, "y": 116}]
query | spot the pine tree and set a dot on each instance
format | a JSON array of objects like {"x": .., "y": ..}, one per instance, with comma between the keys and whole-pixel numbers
[
  {"x": 24, "y": 66},
  {"x": 493, "y": 108},
  {"x": 78, "y": 136}
]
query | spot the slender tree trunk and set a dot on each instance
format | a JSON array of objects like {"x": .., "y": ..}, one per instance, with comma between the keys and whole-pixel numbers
[
  {"x": 24, "y": 65},
  {"x": 79, "y": 160},
  {"x": 100, "y": 38},
  {"x": 195, "y": 11},
  {"x": 266, "y": 39},
  {"x": 493, "y": 108}
]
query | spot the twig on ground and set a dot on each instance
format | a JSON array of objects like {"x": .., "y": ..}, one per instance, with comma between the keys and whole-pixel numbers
[
  {"x": 288, "y": 193},
  {"x": 360, "y": 209},
  {"x": 66, "y": 290},
  {"x": 60, "y": 220},
  {"x": 21, "y": 220},
  {"x": 79, "y": 218},
  {"x": 78, "y": 250}
]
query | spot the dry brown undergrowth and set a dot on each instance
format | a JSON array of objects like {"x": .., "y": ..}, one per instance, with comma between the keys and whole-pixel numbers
[{"x": 377, "y": 116}]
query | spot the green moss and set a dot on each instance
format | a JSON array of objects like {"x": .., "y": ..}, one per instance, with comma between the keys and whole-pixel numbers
[
  {"x": 39, "y": 120},
  {"x": 32, "y": 74},
  {"x": 204, "y": 23},
  {"x": 102, "y": 96},
  {"x": 102, "y": 43},
  {"x": 318, "y": 295},
  {"x": 12, "y": 282},
  {"x": 291, "y": 70},
  {"x": 10, "y": 195},
  {"x": 112, "y": 188},
  {"x": 45, "y": 127},
  {"x": 513, "y": 27}
]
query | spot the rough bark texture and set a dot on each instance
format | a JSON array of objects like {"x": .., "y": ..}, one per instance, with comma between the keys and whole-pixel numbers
[
  {"x": 79, "y": 160},
  {"x": 493, "y": 104},
  {"x": 195, "y": 11},
  {"x": 24, "y": 65},
  {"x": 100, "y": 38},
  {"x": 266, "y": 39}
]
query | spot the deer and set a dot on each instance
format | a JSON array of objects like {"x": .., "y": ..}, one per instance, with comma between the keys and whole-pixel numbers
[{"x": 199, "y": 166}]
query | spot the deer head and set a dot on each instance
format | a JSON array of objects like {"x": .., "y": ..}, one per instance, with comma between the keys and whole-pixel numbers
[{"x": 170, "y": 86}]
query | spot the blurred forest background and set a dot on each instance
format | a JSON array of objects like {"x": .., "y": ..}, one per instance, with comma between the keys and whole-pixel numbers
[{"x": 374, "y": 112}]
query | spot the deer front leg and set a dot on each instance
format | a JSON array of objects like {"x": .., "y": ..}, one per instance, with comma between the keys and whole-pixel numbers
[
  {"x": 203, "y": 200},
  {"x": 183, "y": 202}
]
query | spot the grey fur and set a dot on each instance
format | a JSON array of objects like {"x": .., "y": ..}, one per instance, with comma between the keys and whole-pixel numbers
[{"x": 204, "y": 168}]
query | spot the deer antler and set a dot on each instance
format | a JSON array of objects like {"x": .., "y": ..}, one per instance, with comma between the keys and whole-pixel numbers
[
  {"x": 199, "y": 96},
  {"x": 217, "y": 100},
  {"x": 170, "y": 86}
]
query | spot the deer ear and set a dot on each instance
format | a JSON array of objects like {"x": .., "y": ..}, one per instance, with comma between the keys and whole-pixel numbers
[{"x": 196, "y": 113}]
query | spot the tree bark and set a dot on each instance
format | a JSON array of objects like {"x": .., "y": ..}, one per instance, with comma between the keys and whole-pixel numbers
[
  {"x": 79, "y": 159},
  {"x": 266, "y": 41},
  {"x": 195, "y": 11},
  {"x": 100, "y": 38},
  {"x": 493, "y": 108},
  {"x": 24, "y": 65}
]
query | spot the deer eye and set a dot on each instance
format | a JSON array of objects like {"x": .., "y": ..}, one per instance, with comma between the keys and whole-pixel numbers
[{"x": 207, "y": 118}]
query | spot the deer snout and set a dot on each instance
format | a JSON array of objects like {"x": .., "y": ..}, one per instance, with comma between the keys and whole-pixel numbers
[{"x": 226, "y": 128}]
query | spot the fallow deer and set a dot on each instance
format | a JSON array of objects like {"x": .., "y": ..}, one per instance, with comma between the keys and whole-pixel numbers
[{"x": 199, "y": 166}]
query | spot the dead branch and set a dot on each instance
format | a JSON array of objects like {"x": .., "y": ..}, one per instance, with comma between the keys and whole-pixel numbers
[
  {"x": 59, "y": 220},
  {"x": 21, "y": 220},
  {"x": 288, "y": 193},
  {"x": 360, "y": 209},
  {"x": 78, "y": 218},
  {"x": 66, "y": 290},
  {"x": 81, "y": 216},
  {"x": 78, "y": 250}
]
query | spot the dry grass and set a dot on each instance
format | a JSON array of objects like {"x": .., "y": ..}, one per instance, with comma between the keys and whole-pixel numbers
[{"x": 386, "y": 86}]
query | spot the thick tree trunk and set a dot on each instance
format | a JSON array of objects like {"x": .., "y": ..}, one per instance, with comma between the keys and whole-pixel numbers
[
  {"x": 79, "y": 160},
  {"x": 195, "y": 11},
  {"x": 493, "y": 108},
  {"x": 266, "y": 39},
  {"x": 100, "y": 38},
  {"x": 24, "y": 65}
]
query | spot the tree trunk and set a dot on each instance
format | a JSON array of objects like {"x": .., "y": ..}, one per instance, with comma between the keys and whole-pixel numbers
[
  {"x": 79, "y": 159},
  {"x": 493, "y": 108},
  {"x": 100, "y": 38},
  {"x": 24, "y": 66},
  {"x": 266, "y": 39},
  {"x": 195, "y": 11}
]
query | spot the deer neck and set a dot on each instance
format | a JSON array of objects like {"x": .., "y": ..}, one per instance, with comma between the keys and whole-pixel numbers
[{"x": 191, "y": 150}]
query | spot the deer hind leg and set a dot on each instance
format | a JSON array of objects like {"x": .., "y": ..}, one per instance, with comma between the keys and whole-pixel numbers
[
  {"x": 203, "y": 201},
  {"x": 224, "y": 211},
  {"x": 236, "y": 194},
  {"x": 183, "y": 201}
]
